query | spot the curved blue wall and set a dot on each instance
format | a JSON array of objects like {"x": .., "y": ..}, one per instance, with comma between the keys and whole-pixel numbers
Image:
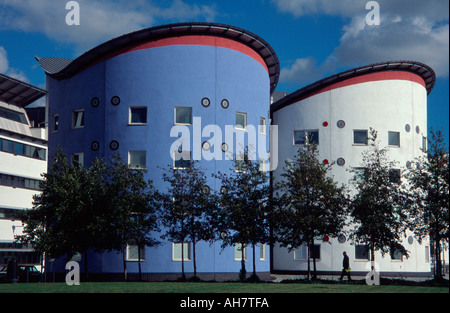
[{"x": 160, "y": 78}]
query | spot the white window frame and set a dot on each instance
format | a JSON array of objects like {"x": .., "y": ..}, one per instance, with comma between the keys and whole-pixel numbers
[
  {"x": 182, "y": 153},
  {"x": 135, "y": 259},
  {"x": 262, "y": 252},
  {"x": 240, "y": 249},
  {"x": 175, "y": 115},
  {"x": 262, "y": 125},
  {"x": 236, "y": 125},
  {"x": 186, "y": 252},
  {"x": 305, "y": 132},
  {"x": 130, "y": 122},
  {"x": 137, "y": 167},
  {"x": 397, "y": 145},
  {"x": 367, "y": 137},
  {"x": 78, "y": 154}
]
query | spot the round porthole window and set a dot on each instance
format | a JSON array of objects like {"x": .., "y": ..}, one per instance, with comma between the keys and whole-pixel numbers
[
  {"x": 95, "y": 145},
  {"x": 206, "y": 190},
  {"x": 224, "y": 147},
  {"x": 206, "y": 102},
  {"x": 408, "y": 164},
  {"x": 225, "y": 104},
  {"x": 206, "y": 145},
  {"x": 408, "y": 128},
  {"x": 340, "y": 161},
  {"x": 115, "y": 100},
  {"x": 342, "y": 238},
  {"x": 417, "y": 129},
  {"x": 410, "y": 240},
  {"x": 114, "y": 145},
  {"x": 95, "y": 102},
  {"x": 340, "y": 124}
]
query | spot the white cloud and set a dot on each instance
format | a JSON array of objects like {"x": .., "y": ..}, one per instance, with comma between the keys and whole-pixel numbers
[
  {"x": 5, "y": 69},
  {"x": 409, "y": 30},
  {"x": 303, "y": 70},
  {"x": 99, "y": 20}
]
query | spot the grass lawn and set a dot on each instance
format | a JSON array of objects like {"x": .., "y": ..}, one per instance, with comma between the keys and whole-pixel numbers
[{"x": 245, "y": 288}]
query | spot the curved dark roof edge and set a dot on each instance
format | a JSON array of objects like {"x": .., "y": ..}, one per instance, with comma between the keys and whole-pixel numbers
[
  {"x": 60, "y": 68},
  {"x": 421, "y": 69}
]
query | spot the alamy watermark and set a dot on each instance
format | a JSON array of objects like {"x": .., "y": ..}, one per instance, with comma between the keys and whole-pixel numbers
[
  {"x": 225, "y": 143},
  {"x": 373, "y": 276},
  {"x": 73, "y": 16},
  {"x": 73, "y": 274},
  {"x": 373, "y": 17}
]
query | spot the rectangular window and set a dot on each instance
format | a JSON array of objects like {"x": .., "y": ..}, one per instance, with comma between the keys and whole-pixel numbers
[
  {"x": 241, "y": 120},
  {"x": 182, "y": 160},
  {"x": 396, "y": 255},
  {"x": 13, "y": 116},
  {"x": 55, "y": 122},
  {"x": 133, "y": 253},
  {"x": 138, "y": 115},
  {"x": 240, "y": 251},
  {"x": 78, "y": 159},
  {"x": 424, "y": 144},
  {"x": 301, "y": 253},
  {"x": 262, "y": 252},
  {"x": 183, "y": 115},
  {"x": 361, "y": 252},
  {"x": 77, "y": 119},
  {"x": 427, "y": 254},
  {"x": 137, "y": 159},
  {"x": 360, "y": 137},
  {"x": 262, "y": 125},
  {"x": 302, "y": 137},
  {"x": 239, "y": 163},
  {"x": 178, "y": 254},
  {"x": 394, "y": 139}
]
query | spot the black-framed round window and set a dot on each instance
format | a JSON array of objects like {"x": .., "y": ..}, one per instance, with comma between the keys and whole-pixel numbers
[
  {"x": 417, "y": 129},
  {"x": 340, "y": 161},
  {"x": 115, "y": 100},
  {"x": 408, "y": 128},
  {"x": 342, "y": 238},
  {"x": 95, "y": 102},
  {"x": 114, "y": 145},
  {"x": 340, "y": 124},
  {"x": 95, "y": 145},
  {"x": 225, "y": 104},
  {"x": 224, "y": 147},
  {"x": 206, "y": 102},
  {"x": 206, "y": 190},
  {"x": 206, "y": 145}
]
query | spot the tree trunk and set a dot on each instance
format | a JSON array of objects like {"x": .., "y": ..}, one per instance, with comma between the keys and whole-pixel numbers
[
  {"x": 254, "y": 262},
  {"x": 183, "y": 275},
  {"x": 309, "y": 265},
  {"x": 86, "y": 273},
  {"x": 124, "y": 251},
  {"x": 194, "y": 259},
  {"x": 437, "y": 257},
  {"x": 139, "y": 264}
]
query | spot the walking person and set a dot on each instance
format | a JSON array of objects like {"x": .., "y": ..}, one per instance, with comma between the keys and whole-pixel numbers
[{"x": 345, "y": 267}]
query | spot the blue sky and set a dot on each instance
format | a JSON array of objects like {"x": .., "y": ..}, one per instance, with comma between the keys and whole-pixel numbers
[{"x": 312, "y": 38}]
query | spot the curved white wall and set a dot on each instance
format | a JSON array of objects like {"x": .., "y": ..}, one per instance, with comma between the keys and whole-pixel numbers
[{"x": 385, "y": 105}]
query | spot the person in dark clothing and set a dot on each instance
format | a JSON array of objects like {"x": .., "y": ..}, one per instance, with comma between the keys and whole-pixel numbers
[{"x": 345, "y": 267}]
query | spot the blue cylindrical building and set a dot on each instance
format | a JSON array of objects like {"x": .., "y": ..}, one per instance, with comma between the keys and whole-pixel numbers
[{"x": 135, "y": 94}]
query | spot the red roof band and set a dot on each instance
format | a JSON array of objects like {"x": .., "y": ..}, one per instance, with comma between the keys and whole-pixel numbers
[{"x": 396, "y": 70}]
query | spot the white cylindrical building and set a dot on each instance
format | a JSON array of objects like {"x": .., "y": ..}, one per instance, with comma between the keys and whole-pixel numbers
[{"x": 338, "y": 112}]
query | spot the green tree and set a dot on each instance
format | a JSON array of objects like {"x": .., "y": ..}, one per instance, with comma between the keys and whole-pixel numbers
[
  {"x": 429, "y": 193},
  {"x": 60, "y": 222},
  {"x": 310, "y": 203},
  {"x": 242, "y": 216},
  {"x": 187, "y": 209},
  {"x": 377, "y": 209}
]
